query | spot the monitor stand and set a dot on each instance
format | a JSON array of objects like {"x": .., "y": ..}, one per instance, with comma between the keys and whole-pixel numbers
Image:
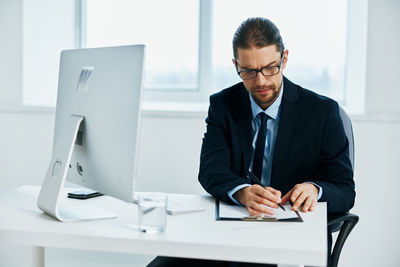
[{"x": 51, "y": 193}]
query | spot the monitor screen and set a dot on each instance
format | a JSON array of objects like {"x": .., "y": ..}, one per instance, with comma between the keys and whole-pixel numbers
[{"x": 102, "y": 87}]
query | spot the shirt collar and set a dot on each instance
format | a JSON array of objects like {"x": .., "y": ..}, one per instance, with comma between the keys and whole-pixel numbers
[{"x": 272, "y": 111}]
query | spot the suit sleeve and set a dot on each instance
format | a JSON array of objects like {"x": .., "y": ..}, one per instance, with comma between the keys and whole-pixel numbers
[
  {"x": 335, "y": 171},
  {"x": 216, "y": 175}
]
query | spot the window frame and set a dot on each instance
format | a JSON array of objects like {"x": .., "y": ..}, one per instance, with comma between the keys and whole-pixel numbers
[{"x": 204, "y": 74}]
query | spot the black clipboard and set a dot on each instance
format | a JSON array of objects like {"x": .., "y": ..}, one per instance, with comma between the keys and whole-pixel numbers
[{"x": 251, "y": 218}]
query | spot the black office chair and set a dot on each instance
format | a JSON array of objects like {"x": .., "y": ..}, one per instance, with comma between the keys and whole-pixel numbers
[{"x": 344, "y": 223}]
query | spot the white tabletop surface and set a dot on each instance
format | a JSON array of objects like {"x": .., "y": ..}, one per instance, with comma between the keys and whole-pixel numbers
[{"x": 195, "y": 235}]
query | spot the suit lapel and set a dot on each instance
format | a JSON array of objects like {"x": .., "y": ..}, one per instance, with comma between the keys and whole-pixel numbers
[
  {"x": 243, "y": 118},
  {"x": 288, "y": 116}
]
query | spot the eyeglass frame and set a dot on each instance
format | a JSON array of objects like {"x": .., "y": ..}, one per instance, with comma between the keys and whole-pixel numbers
[{"x": 260, "y": 70}]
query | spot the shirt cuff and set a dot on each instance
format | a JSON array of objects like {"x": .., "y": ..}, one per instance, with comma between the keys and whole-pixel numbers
[
  {"x": 234, "y": 190},
  {"x": 319, "y": 189}
]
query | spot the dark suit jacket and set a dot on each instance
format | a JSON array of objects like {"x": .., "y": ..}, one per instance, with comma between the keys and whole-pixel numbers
[{"x": 311, "y": 145}]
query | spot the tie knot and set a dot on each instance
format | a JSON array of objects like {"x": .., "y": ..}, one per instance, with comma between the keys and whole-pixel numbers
[{"x": 263, "y": 117}]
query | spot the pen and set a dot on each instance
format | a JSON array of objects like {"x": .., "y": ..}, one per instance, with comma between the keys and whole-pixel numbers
[{"x": 255, "y": 180}]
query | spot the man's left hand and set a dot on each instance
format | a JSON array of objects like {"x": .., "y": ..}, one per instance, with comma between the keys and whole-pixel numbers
[{"x": 305, "y": 194}]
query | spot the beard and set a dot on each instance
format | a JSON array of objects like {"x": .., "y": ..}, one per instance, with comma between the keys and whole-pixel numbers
[{"x": 264, "y": 101}]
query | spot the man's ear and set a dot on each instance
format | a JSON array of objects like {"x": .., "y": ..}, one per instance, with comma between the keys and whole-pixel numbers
[{"x": 285, "y": 58}]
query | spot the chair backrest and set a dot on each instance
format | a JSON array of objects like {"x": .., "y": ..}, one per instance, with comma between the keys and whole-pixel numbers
[
  {"x": 343, "y": 222},
  {"x": 348, "y": 129}
]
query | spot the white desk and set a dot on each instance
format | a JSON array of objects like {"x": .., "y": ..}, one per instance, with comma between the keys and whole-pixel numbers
[{"x": 195, "y": 235}]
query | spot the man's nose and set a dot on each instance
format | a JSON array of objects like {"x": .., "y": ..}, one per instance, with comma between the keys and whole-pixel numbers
[{"x": 260, "y": 78}]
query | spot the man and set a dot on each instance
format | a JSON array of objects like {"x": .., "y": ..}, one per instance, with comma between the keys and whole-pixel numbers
[
  {"x": 291, "y": 139},
  {"x": 306, "y": 151}
]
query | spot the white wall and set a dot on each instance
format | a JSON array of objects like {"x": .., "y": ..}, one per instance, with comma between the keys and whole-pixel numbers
[
  {"x": 375, "y": 241},
  {"x": 383, "y": 67},
  {"x": 10, "y": 53},
  {"x": 172, "y": 144},
  {"x": 169, "y": 151}
]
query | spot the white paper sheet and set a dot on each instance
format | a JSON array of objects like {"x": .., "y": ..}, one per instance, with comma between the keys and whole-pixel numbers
[{"x": 233, "y": 211}]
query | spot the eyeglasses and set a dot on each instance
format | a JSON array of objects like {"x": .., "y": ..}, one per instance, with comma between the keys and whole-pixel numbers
[{"x": 265, "y": 71}]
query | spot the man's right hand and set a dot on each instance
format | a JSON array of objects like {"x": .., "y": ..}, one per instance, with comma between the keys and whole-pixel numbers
[{"x": 257, "y": 199}]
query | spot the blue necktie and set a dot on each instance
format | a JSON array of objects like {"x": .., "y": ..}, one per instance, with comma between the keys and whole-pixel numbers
[{"x": 260, "y": 146}]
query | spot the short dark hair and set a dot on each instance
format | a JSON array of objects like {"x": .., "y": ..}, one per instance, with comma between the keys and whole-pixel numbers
[{"x": 257, "y": 32}]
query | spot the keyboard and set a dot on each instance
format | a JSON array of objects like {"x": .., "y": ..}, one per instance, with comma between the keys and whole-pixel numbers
[{"x": 175, "y": 207}]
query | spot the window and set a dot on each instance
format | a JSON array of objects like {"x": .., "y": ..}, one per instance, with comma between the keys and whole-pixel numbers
[
  {"x": 317, "y": 51},
  {"x": 189, "y": 48},
  {"x": 48, "y": 28},
  {"x": 171, "y": 36}
]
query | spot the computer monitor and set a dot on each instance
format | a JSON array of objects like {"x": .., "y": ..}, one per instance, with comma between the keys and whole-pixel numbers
[{"x": 96, "y": 128}]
